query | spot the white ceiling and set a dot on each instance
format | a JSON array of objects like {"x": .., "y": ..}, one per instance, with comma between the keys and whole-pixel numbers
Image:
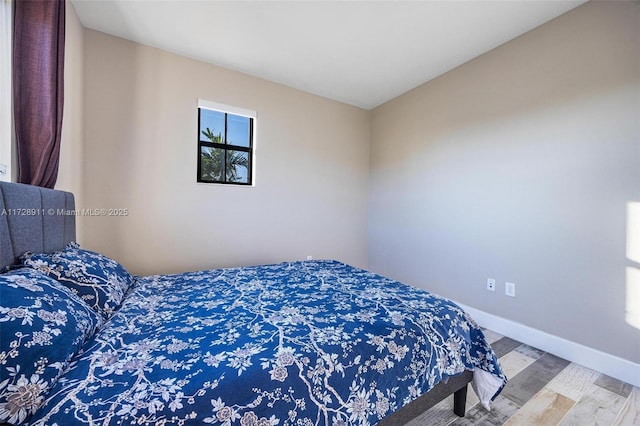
[{"x": 362, "y": 53}]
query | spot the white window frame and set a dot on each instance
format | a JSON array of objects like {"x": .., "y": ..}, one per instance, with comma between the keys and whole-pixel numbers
[
  {"x": 7, "y": 139},
  {"x": 216, "y": 106}
]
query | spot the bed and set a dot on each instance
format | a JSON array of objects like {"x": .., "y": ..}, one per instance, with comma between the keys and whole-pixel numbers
[{"x": 296, "y": 343}]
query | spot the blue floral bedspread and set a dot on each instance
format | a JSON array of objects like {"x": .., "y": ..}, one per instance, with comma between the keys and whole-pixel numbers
[{"x": 303, "y": 343}]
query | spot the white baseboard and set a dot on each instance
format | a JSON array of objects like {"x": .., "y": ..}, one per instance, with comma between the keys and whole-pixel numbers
[{"x": 594, "y": 359}]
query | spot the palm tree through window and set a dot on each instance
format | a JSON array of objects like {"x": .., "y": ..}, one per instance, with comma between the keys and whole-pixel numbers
[{"x": 225, "y": 147}]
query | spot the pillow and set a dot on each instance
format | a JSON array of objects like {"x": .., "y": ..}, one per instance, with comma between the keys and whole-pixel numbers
[
  {"x": 100, "y": 281},
  {"x": 43, "y": 325}
]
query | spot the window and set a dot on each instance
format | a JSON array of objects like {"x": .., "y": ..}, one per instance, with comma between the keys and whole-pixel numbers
[
  {"x": 6, "y": 120},
  {"x": 225, "y": 144}
]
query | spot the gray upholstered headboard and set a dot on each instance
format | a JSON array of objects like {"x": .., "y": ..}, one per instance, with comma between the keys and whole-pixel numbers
[{"x": 34, "y": 219}]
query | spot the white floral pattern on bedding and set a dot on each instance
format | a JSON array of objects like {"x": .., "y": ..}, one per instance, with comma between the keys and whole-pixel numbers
[
  {"x": 304, "y": 343},
  {"x": 42, "y": 326},
  {"x": 98, "y": 280}
]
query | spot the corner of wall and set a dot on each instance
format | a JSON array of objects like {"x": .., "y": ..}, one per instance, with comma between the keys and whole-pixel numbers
[{"x": 70, "y": 172}]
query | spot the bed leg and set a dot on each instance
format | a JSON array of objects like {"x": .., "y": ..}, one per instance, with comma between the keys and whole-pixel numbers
[{"x": 460, "y": 401}]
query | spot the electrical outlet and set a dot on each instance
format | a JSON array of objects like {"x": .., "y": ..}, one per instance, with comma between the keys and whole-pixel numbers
[
  {"x": 309, "y": 257},
  {"x": 510, "y": 289},
  {"x": 491, "y": 284}
]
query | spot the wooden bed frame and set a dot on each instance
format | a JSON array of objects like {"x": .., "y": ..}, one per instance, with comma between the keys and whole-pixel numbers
[{"x": 43, "y": 221}]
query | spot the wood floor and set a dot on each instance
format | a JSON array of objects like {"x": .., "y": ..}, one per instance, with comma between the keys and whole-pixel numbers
[{"x": 543, "y": 390}]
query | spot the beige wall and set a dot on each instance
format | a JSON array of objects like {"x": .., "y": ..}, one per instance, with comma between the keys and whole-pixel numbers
[
  {"x": 70, "y": 172},
  {"x": 519, "y": 166},
  {"x": 312, "y": 159}
]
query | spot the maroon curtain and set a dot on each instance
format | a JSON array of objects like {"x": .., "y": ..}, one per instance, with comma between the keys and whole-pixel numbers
[{"x": 38, "y": 83}]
